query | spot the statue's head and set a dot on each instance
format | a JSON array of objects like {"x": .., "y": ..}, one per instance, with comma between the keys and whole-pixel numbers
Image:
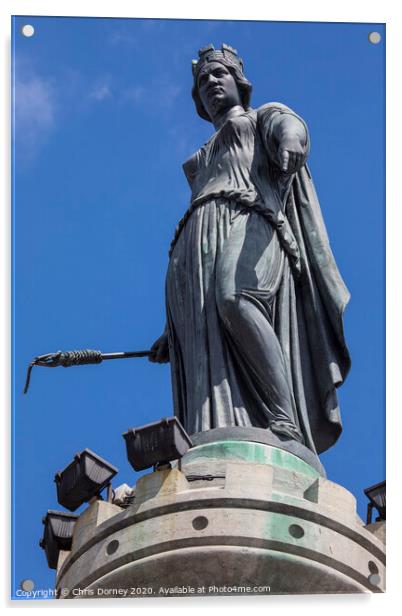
[{"x": 209, "y": 57}]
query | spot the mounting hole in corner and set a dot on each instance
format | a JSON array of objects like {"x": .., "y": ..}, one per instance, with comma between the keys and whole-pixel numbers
[
  {"x": 28, "y": 30},
  {"x": 374, "y": 38},
  {"x": 374, "y": 579},
  {"x": 200, "y": 522},
  {"x": 112, "y": 547},
  {"x": 296, "y": 531},
  {"x": 27, "y": 585}
]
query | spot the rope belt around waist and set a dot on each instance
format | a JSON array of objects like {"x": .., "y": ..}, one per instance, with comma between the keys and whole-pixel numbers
[{"x": 280, "y": 224}]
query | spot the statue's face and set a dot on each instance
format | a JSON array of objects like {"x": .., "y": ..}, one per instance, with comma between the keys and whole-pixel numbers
[{"x": 217, "y": 88}]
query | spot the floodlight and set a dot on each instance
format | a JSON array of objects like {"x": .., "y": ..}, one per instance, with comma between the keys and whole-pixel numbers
[
  {"x": 156, "y": 444},
  {"x": 84, "y": 478},
  {"x": 57, "y": 534},
  {"x": 376, "y": 496}
]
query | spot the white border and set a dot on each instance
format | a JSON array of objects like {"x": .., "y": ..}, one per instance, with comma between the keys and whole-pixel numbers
[{"x": 384, "y": 11}]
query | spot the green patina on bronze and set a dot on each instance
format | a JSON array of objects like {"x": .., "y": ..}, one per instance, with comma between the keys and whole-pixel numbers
[{"x": 251, "y": 452}]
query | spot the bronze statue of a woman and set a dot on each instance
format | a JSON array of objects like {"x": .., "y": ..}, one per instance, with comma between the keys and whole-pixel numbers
[{"x": 254, "y": 299}]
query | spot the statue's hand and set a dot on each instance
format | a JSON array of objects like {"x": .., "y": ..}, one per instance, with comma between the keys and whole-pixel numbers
[
  {"x": 291, "y": 153},
  {"x": 160, "y": 350}
]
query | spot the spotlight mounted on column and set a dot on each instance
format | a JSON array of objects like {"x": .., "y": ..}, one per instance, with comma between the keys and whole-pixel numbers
[
  {"x": 83, "y": 479},
  {"x": 57, "y": 534},
  {"x": 376, "y": 496},
  {"x": 156, "y": 444}
]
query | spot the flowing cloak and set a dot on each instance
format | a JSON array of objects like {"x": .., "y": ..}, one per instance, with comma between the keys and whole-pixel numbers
[{"x": 237, "y": 185}]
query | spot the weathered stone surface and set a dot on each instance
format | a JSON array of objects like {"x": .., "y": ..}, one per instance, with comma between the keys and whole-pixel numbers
[
  {"x": 63, "y": 554},
  {"x": 257, "y": 525},
  {"x": 90, "y": 519},
  {"x": 378, "y": 529},
  {"x": 159, "y": 485},
  {"x": 259, "y": 435}
]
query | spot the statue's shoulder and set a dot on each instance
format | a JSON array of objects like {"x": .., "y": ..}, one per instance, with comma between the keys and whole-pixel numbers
[
  {"x": 268, "y": 112},
  {"x": 190, "y": 166},
  {"x": 270, "y": 108}
]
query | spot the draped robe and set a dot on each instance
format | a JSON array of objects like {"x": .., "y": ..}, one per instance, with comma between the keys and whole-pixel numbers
[{"x": 256, "y": 233}]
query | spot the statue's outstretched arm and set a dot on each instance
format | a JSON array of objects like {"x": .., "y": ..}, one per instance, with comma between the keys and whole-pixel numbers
[
  {"x": 286, "y": 137},
  {"x": 291, "y": 139}
]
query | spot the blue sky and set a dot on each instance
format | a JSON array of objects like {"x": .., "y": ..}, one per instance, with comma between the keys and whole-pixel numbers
[{"x": 103, "y": 122}]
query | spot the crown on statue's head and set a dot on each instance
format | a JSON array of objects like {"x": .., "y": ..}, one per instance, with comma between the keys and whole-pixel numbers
[{"x": 226, "y": 55}]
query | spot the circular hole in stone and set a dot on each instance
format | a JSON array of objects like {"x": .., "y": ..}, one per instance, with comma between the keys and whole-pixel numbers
[
  {"x": 296, "y": 531},
  {"x": 28, "y": 30},
  {"x": 200, "y": 522},
  {"x": 374, "y": 579},
  {"x": 374, "y": 37},
  {"x": 112, "y": 547},
  {"x": 27, "y": 585},
  {"x": 372, "y": 567}
]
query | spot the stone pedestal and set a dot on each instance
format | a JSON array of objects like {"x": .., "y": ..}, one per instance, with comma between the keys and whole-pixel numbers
[{"x": 234, "y": 517}]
